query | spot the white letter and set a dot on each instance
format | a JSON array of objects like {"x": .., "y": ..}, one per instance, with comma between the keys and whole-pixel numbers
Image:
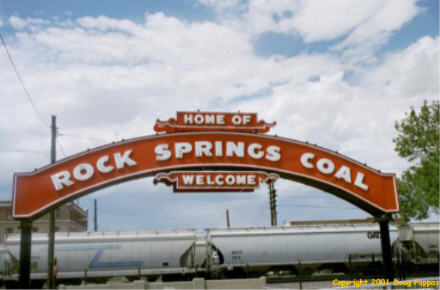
[
  {"x": 273, "y": 153},
  {"x": 203, "y": 147},
  {"x": 240, "y": 179},
  {"x": 220, "y": 119},
  {"x": 200, "y": 179},
  {"x": 80, "y": 175},
  {"x": 219, "y": 179},
  {"x": 236, "y": 119},
  {"x": 229, "y": 179},
  {"x": 305, "y": 160},
  {"x": 359, "y": 181},
  {"x": 100, "y": 164},
  {"x": 344, "y": 173},
  {"x": 251, "y": 179},
  {"x": 60, "y": 178},
  {"x": 198, "y": 119},
  {"x": 246, "y": 119},
  {"x": 209, "y": 119},
  {"x": 208, "y": 180},
  {"x": 124, "y": 159},
  {"x": 232, "y": 149},
  {"x": 325, "y": 165},
  {"x": 187, "y": 119},
  {"x": 218, "y": 148},
  {"x": 188, "y": 179},
  {"x": 252, "y": 153},
  {"x": 181, "y": 148},
  {"x": 162, "y": 152}
]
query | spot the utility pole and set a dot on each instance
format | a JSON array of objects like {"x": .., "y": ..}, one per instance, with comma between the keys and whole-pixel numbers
[
  {"x": 51, "y": 245},
  {"x": 273, "y": 204},
  {"x": 95, "y": 215},
  {"x": 228, "y": 225}
]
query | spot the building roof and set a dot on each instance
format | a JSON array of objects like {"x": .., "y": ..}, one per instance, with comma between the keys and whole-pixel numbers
[
  {"x": 339, "y": 222},
  {"x": 8, "y": 203}
]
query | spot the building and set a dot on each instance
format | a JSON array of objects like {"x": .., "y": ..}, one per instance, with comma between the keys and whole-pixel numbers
[{"x": 69, "y": 217}]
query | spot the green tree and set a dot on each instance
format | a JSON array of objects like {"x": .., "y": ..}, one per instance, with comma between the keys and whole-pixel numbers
[{"x": 418, "y": 141}]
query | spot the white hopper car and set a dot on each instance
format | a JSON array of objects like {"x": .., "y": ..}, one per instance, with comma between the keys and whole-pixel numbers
[
  {"x": 107, "y": 254},
  {"x": 329, "y": 247},
  {"x": 419, "y": 242}
]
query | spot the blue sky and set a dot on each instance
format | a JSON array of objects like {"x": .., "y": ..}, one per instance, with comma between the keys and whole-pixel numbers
[{"x": 337, "y": 73}]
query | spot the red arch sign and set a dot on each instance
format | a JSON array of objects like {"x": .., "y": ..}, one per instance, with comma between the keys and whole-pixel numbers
[{"x": 38, "y": 192}]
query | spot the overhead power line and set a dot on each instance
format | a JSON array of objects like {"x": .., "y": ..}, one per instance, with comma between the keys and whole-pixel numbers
[
  {"x": 61, "y": 147},
  {"x": 82, "y": 137},
  {"x": 24, "y": 151},
  {"x": 22, "y": 83}
]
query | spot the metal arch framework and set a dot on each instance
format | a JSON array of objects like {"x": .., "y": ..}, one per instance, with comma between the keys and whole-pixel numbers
[{"x": 35, "y": 193}]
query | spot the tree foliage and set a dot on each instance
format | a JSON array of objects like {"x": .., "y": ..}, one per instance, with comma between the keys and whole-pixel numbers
[{"x": 418, "y": 141}]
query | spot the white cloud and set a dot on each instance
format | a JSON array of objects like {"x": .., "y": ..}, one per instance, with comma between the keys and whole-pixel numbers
[
  {"x": 364, "y": 25},
  {"x": 410, "y": 74},
  {"x": 317, "y": 20},
  {"x": 361, "y": 21},
  {"x": 361, "y": 44},
  {"x": 21, "y": 23},
  {"x": 104, "y": 23},
  {"x": 392, "y": 15}
]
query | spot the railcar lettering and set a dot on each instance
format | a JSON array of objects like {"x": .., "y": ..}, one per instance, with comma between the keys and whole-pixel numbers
[
  {"x": 373, "y": 235},
  {"x": 237, "y": 252}
]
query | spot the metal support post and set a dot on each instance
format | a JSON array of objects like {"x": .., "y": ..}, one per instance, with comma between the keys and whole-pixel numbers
[
  {"x": 228, "y": 225},
  {"x": 273, "y": 204},
  {"x": 386, "y": 247},
  {"x": 51, "y": 240},
  {"x": 51, "y": 250},
  {"x": 95, "y": 214},
  {"x": 25, "y": 254}
]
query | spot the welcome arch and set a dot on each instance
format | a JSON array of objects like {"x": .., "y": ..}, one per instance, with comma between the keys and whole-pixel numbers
[{"x": 36, "y": 193}]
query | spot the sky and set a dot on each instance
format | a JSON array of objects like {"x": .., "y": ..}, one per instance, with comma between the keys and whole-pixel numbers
[{"x": 336, "y": 73}]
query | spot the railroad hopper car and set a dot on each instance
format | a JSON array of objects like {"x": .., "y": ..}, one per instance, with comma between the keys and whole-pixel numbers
[
  {"x": 333, "y": 248},
  {"x": 109, "y": 254},
  {"x": 419, "y": 243}
]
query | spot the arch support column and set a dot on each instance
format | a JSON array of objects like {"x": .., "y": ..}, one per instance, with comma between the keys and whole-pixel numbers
[
  {"x": 386, "y": 246},
  {"x": 25, "y": 254}
]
